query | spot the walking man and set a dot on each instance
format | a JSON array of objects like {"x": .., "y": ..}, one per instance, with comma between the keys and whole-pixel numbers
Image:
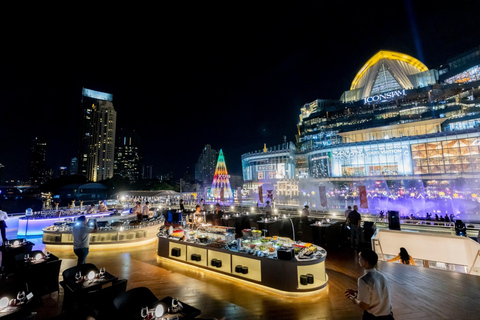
[
  {"x": 81, "y": 238},
  {"x": 373, "y": 295},
  {"x": 3, "y": 224},
  {"x": 354, "y": 221}
]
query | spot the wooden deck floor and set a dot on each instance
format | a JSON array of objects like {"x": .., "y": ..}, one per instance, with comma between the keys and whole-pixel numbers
[{"x": 417, "y": 293}]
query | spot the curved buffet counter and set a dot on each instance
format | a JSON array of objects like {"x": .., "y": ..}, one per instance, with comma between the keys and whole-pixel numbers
[
  {"x": 34, "y": 225},
  {"x": 260, "y": 268},
  {"x": 111, "y": 234}
]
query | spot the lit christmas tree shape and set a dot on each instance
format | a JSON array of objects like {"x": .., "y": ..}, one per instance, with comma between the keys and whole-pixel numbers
[{"x": 221, "y": 183}]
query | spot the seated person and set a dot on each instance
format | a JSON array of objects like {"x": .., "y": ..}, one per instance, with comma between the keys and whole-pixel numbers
[
  {"x": 404, "y": 257},
  {"x": 91, "y": 209},
  {"x": 102, "y": 207}
]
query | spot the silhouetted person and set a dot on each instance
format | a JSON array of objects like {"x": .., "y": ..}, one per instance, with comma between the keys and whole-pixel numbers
[
  {"x": 3, "y": 224},
  {"x": 354, "y": 221},
  {"x": 460, "y": 228},
  {"x": 81, "y": 238}
]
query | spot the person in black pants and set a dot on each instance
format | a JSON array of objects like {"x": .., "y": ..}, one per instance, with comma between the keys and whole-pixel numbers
[
  {"x": 373, "y": 293},
  {"x": 354, "y": 221},
  {"x": 3, "y": 225}
]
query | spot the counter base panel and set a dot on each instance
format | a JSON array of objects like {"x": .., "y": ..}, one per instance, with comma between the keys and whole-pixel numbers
[{"x": 246, "y": 282}]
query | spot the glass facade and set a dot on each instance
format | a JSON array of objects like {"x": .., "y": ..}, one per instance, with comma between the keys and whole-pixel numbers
[
  {"x": 450, "y": 156},
  {"x": 469, "y": 75},
  {"x": 274, "y": 163}
]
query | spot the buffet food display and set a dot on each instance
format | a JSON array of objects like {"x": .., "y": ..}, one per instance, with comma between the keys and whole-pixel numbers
[
  {"x": 253, "y": 257},
  {"x": 33, "y": 225},
  {"x": 111, "y": 231}
]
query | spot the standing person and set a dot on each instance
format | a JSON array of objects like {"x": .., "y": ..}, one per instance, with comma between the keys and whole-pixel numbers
[
  {"x": 268, "y": 209},
  {"x": 305, "y": 211},
  {"x": 217, "y": 214},
  {"x": 146, "y": 210},
  {"x": 182, "y": 207},
  {"x": 218, "y": 209},
  {"x": 3, "y": 224},
  {"x": 373, "y": 295},
  {"x": 404, "y": 257},
  {"x": 138, "y": 211},
  {"x": 197, "y": 215},
  {"x": 81, "y": 238},
  {"x": 354, "y": 221},
  {"x": 347, "y": 212}
]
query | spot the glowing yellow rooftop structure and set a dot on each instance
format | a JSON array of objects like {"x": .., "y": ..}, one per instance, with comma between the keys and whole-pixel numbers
[{"x": 399, "y": 64}]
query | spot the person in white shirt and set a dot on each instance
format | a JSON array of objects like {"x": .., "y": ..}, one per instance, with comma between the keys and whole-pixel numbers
[
  {"x": 347, "y": 212},
  {"x": 373, "y": 295},
  {"x": 3, "y": 224},
  {"x": 146, "y": 210},
  {"x": 138, "y": 211}
]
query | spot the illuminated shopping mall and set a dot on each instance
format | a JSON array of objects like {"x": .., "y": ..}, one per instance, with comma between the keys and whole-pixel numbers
[{"x": 410, "y": 134}]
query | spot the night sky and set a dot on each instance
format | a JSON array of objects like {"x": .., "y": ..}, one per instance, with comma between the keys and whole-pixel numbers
[{"x": 233, "y": 75}]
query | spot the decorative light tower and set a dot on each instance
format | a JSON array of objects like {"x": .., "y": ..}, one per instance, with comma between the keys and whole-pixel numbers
[{"x": 221, "y": 189}]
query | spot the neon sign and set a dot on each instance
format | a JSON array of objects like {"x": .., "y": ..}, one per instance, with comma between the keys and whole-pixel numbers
[{"x": 385, "y": 96}]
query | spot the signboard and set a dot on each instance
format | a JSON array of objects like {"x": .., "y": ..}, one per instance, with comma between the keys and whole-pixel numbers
[
  {"x": 266, "y": 167},
  {"x": 363, "y": 197},
  {"x": 384, "y": 96},
  {"x": 260, "y": 194},
  {"x": 323, "y": 196},
  {"x": 270, "y": 194}
]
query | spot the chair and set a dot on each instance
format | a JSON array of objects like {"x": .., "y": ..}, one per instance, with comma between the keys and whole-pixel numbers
[
  {"x": 131, "y": 302},
  {"x": 69, "y": 274},
  {"x": 101, "y": 300},
  {"x": 43, "y": 278}
]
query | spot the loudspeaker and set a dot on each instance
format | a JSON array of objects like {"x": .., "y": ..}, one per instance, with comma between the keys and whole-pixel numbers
[{"x": 393, "y": 220}]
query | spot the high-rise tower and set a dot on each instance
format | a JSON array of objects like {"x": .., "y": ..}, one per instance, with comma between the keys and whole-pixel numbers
[
  {"x": 205, "y": 166},
  {"x": 128, "y": 155},
  {"x": 37, "y": 161},
  {"x": 97, "y": 142}
]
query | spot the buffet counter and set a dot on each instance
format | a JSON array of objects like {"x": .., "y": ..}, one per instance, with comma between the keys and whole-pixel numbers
[
  {"x": 33, "y": 226},
  {"x": 298, "y": 276},
  {"x": 124, "y": 235}
]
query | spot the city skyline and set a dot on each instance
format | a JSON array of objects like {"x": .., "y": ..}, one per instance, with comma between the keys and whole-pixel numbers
[{"x": 235, "y": 91}]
